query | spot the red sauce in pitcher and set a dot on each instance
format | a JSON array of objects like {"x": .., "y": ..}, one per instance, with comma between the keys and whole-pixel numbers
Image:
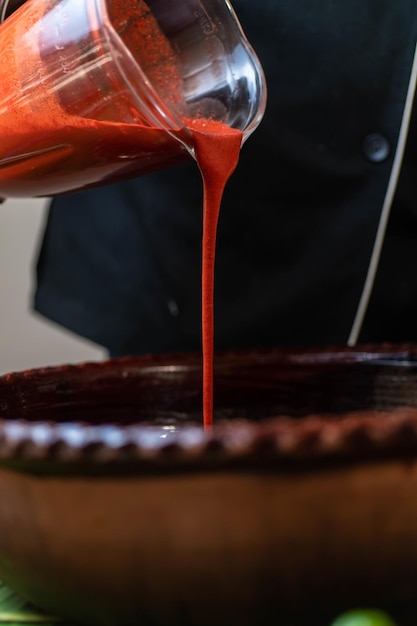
[{"x": 46, "y": 149}]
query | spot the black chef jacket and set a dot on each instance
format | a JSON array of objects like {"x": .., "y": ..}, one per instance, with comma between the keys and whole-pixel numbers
[{"x": 120, "y": 265}]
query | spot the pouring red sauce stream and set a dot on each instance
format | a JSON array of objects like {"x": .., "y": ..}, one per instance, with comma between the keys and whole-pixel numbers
[
  {"x": 217, "y": 149},
  {"x": 64, "y": 151}
]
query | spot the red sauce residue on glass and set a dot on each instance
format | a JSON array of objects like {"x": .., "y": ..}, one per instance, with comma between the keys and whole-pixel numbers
[
  {"x": 64, "y": 150},
  {"x": 59, "y": 135}
]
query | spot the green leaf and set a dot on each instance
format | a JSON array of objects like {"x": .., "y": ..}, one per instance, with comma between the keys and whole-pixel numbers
[
  {"x": 14, "y": 611},
  {"x": 365, "y": 617}
]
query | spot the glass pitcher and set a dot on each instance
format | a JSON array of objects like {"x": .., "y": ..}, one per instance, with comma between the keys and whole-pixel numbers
[{"x": 94, "y": 91}]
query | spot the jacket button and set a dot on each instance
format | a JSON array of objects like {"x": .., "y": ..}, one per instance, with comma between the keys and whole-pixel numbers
[{"x": 376, "y": 147}]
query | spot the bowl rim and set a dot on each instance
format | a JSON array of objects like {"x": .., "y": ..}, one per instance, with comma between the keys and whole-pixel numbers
[{"x": 280, "y": 443}]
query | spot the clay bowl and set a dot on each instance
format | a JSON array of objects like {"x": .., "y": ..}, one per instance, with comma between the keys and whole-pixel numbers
[{"x": 117, "y": 508}]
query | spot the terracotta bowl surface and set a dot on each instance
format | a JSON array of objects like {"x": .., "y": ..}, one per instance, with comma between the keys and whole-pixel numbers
[{"x": 117, "y": 508}]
